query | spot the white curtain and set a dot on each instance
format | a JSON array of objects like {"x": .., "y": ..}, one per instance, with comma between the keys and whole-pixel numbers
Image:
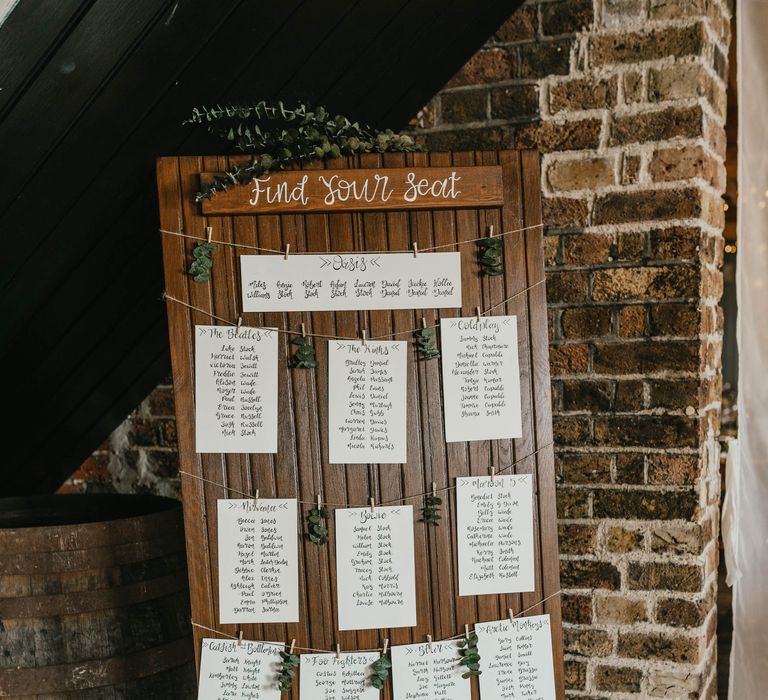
[{"x": 745, "y": 529}]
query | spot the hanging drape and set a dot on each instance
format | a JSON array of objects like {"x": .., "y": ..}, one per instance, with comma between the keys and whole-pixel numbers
[{"x": 746, "y": 523}]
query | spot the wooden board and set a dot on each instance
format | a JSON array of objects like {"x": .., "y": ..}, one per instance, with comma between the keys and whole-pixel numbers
[{"x": 300, "y": 468}]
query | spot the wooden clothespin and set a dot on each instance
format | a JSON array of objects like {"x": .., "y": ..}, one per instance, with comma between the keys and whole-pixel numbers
[
  {"x": 511, "y": 614},
  {"x": 338, "y": 651},
  {"x": 429, "y": 641},
  {"x": 365, "y": 335},
  {"x": 415, "y": 249},
  {"x": 319, "y": 501},
  {"x": 239, "y": 324},
  {"x": 303, "y": 331},
  {"x": 477, "y": 310},
  {"x": 466, "y": 631},
  {"x": 287, "y": 250},
  {"x": 256, "y": 497},
  {"x": 490, "y": 231},
  {"x": 386, "y": 644},
  {"x": 240, "y": 638},
  {"x": 493, "y": 473},
  {"x": 423, "y": 322},
  {"x": 373, "y": 503},
  {"x": 208, "y": 233},
  {"x": 434, "y": 489},
  {"x": 293, "y": 644}
]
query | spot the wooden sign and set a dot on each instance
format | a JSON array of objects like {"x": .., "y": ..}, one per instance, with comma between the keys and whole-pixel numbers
[
  {"x": 499, "y": 189},
  {"x": 364, "y": 189}
]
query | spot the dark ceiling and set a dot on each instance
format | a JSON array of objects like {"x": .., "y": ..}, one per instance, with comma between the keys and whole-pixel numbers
[{"x": 91, "y": 92}]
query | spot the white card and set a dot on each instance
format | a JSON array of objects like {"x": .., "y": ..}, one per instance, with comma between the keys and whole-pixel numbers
[
  {"x": 494, "y": 521},
  {"x": 481, "y": 378},
  {"x": 367, "y": 402},
  {"x": 348, "y": 677},
  {"x": 339, "y": 282},
  {"x": 419, "y": 671},
  {"x": 235, "y": 389},
  {"x": 516, "y": 659},
  {"x": 258, "y": 560},
  {"x": 375, "y": 570},
  {"x": 248, "y": 670}
]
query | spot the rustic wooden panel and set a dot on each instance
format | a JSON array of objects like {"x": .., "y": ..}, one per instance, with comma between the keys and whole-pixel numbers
[{"x": 300, "y": 468}]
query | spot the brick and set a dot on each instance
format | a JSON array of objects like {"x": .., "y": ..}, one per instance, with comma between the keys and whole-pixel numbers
[
  {"x": 659, "y": 576},
  {"x": 485, "y": 138},
  {"x": 573, "y": 504},
  {"x": 567, "y": 287},
  {"x": 630, "y": 170},
  {"x": 587, "y": 642},
  {"x": 673, "y": 393},
  {"x": 644, "y": 505},
  {"x": 633, "y": 87},
  {"x": 681, "y": 320},
  {"x": 618, "y": 679},
  {"x": 677, "y": 82},
  {"x": 163, "y": 463},
  {"x": 587, "y": 248},
  {"x": 629, "y": 283},
  {"x": 576, "y": 609},
  {"x": 631, "y": 246},
  {"x": 678, "y": 539},
  {"x": 575, "y": 135},
  {"x": 666, "y": 683},
  {"x": 487, "y": 66},
  {"x": 720, "y": 63},
  {"x": 632, "y": 321},
  {"x": 675, "y": 242},
  {"x": 589, "y": 574},
  {"x": 630, "y": 468},
  {"x": 652, "y": 645},
  {"x": 646, "y": 46},
  {"x": 568, "y": 359},
  {"x": 566, "y": 17},
  {"x": 623, "y": 539},
  {"x": 646, "y": 357},
  {"x": 577, "y": 539},
  {"x": 659, "y": 125},
  {"x": 551, "y": 250},
  {"x": 686, "y": 163},
  {"x": 711, "y": 284},
  {"x": 647, "y": 205},
  {"x": 585, "y": 322},
  {"x": 541, "y": 59},
  {"x": 582, "y": 94},
  {"x": 676, "y": 9},
  {"x": 523, "y": 24},
  {"x": 160, "y": 402},
  {"x": 463, "y": 106},
  {"x": 572, "y": 430},
  {"x": 580, "y": 174},
  {"x": 94, "y": 468},
  {"x": 583, "y": 468},
  {"x": 562, "y": 212},
  {"x": 575, "y": 674},
  {"x": 618, "y": 610},
  {"x": 589, "y": 396},
  {"x": 679, "y": 612},
  {"x": 515, "y": 102}
]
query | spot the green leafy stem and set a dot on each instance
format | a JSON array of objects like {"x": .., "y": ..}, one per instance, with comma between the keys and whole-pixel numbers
[
  {"x": 202, "y": 262},
  {"x": 287, "y": 670},
  {"x": 425, "y": 341},
  {"x": 430, "y": 514},
  {"x": 470, "y": 656},
  {"x": 304, "y": 356},
  {"x": 490, "y": 256},
  {"x": 317, "y": 532},
  {"x": 380, "y": 671}
]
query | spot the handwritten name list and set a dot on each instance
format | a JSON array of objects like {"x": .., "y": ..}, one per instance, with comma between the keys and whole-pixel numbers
[
  {"x": 235, "y": 389},
  {"x": 481, "y": 378},
  {"x": 376, "y": 583},
  {"x": 258, "y": 560},
  {"x": 367, "y": 402},
  {"x": 346, "y": 677},
  {"x": 517, "y": 659},
  {"x": 232, "y": 671},
  {"x": 495, "y": 534},
  {"x": 349, "y": 282},
  {"x": 428, "y": 672}
]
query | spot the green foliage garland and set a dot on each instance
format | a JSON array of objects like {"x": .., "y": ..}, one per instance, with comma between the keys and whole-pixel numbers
[
  {"x": 380, "y": 669},
  {"x": 470, "y": 657},
  {"x": 316, "y": 530},
  {"x": 430, "y": 514},
  {"x": 489, "y": 256},
  {"x": 425, "y": 339},
  {"x": 202, "y": 261},
  {"x": 304, "y": 357},
  {"x": 280, "y": 137},
  {"x": 287, "y": 671}
]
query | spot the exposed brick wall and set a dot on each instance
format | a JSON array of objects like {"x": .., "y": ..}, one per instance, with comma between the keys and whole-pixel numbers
[{"x": 626, "y": 101}]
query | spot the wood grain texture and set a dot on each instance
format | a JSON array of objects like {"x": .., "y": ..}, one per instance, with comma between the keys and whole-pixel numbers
[{"x": 300, "y": 468}]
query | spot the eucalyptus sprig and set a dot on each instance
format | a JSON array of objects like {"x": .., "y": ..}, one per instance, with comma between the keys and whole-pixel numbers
[
  {"x": 317, "y": 532},
  {"x": 202, "y": 261},
  {"x": 279, "y": 137},
  {"x": 470, "y": 657},
  {"x": 490, "y": 256},
  {"x": 427, "y": 346},
  {"x": 304, "y": 357},
  {"x": 380, "y": 671},
  {"x": 430, "y": 514},
  {"x": 287, "y": 670}
]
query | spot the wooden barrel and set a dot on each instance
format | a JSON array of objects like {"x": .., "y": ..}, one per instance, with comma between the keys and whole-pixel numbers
[{"x": 94, "y": 600}]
